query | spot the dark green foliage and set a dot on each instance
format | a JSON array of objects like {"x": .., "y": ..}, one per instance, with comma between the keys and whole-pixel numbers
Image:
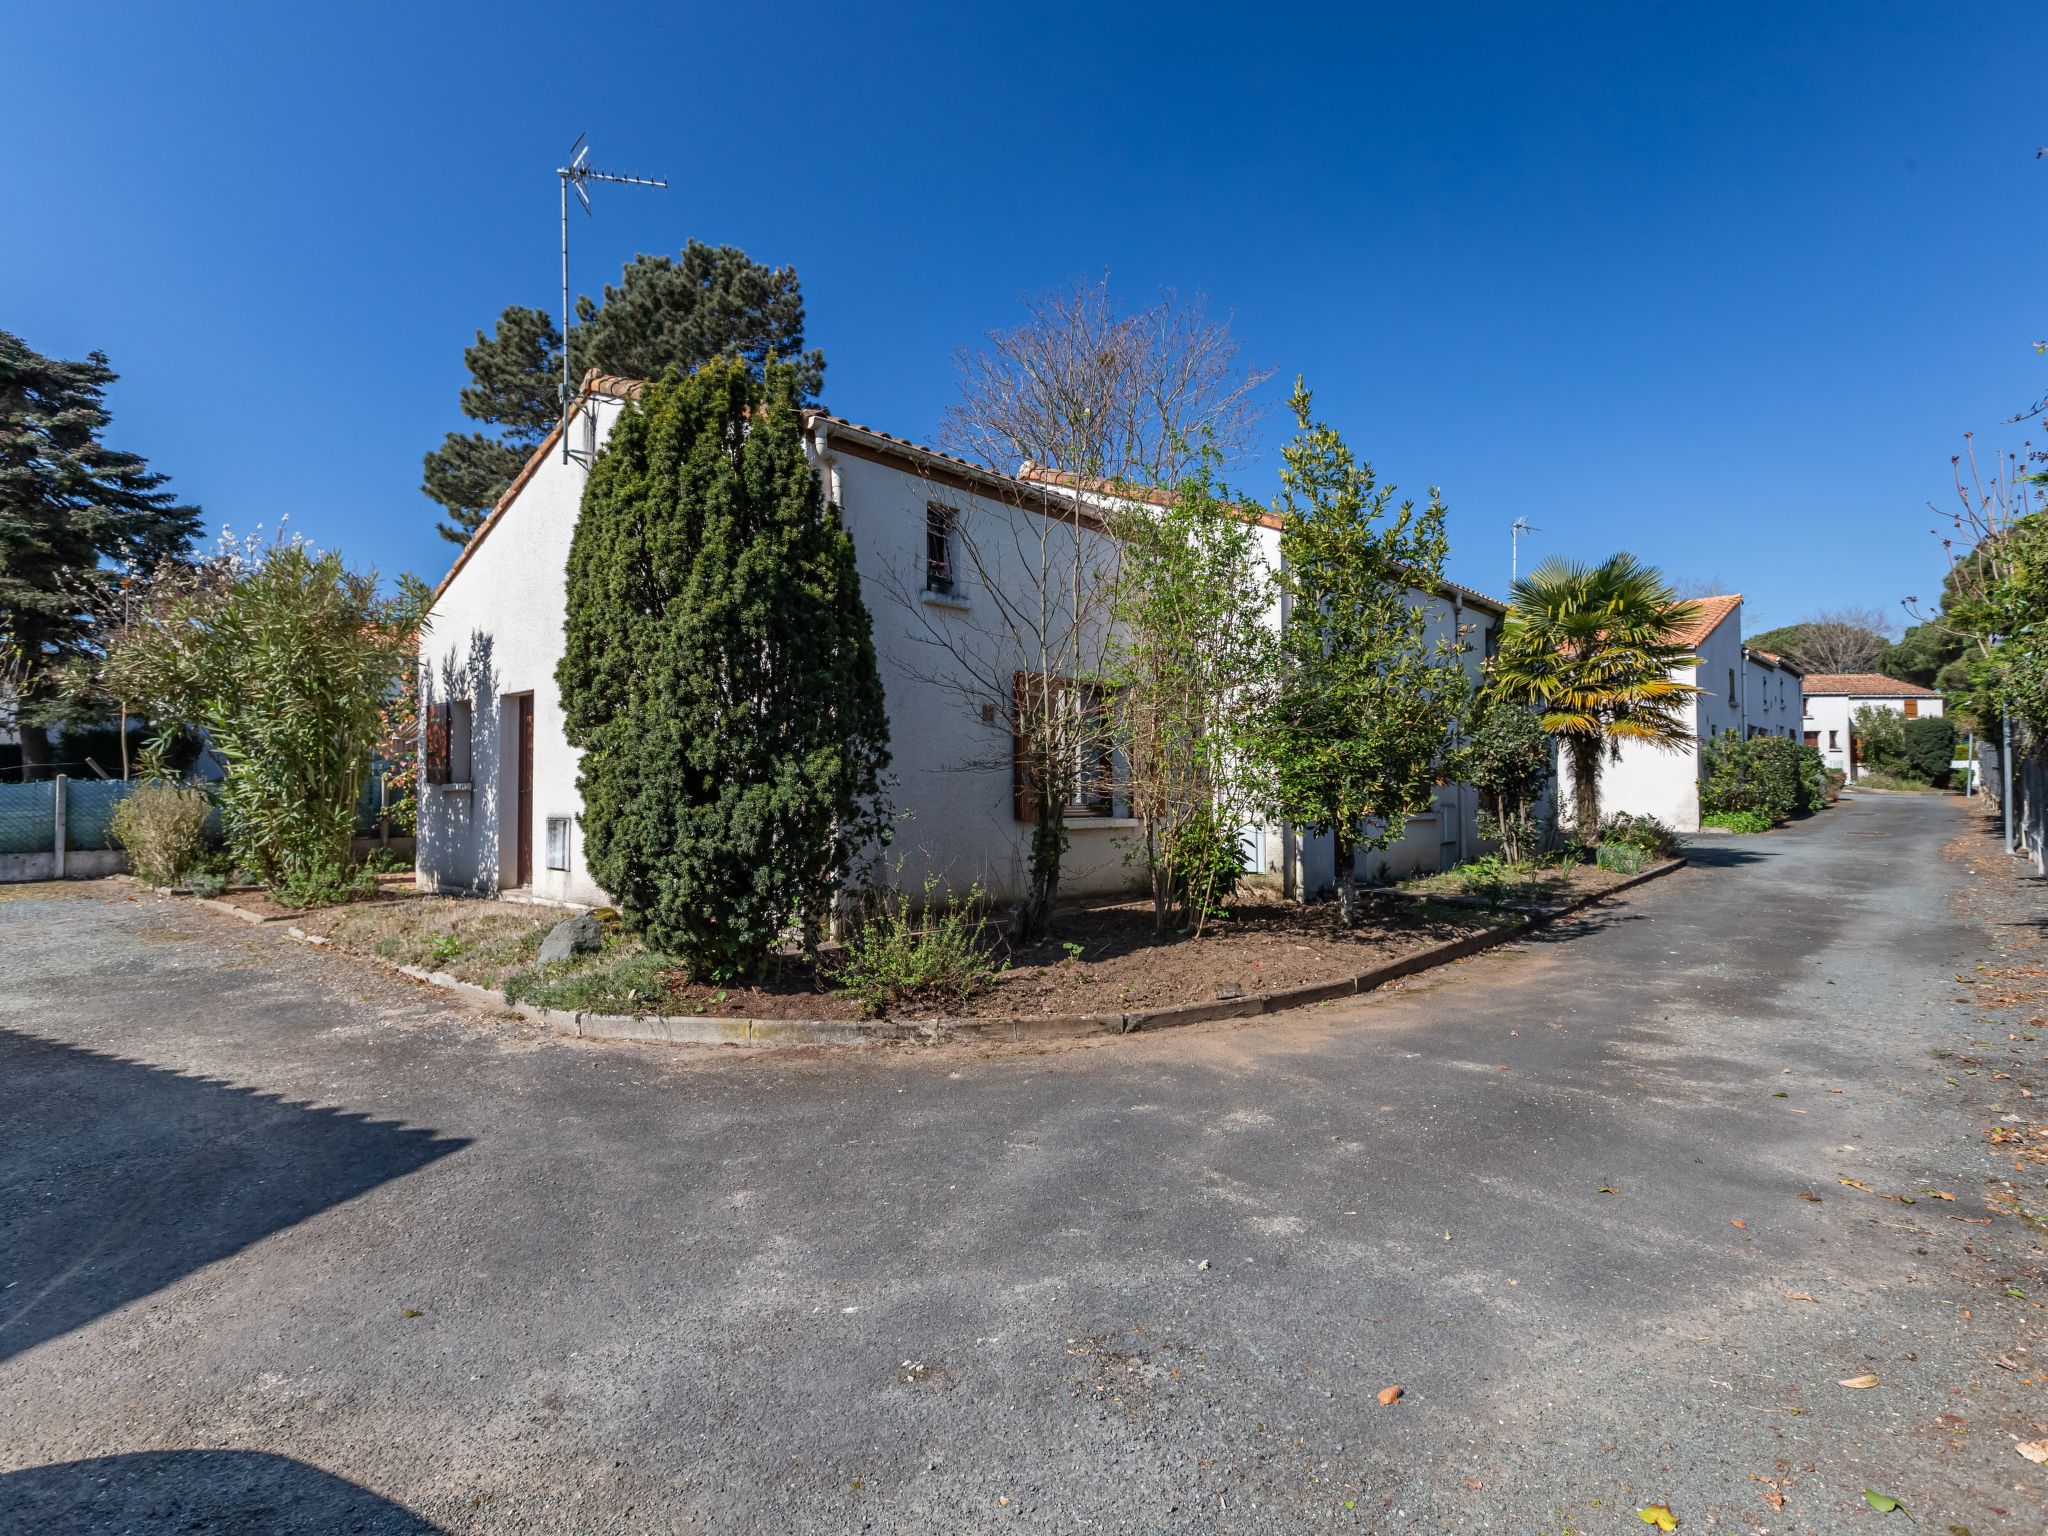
[
  {"x": 1203, "y": 869},
  {"x": 719, "y": 673},
  {"x": 1930, "y": 749},
  {"x": 1773, "y": 776},
  {"x": 1738, "y": 821},
  {"x": 1646, "y": 834},
  {"x": 1506, "y": 759},
  {"x": 1621, "y": 858},
  {"x": 1879, "y": 737},
  {"x": 1921, "y": 653},
  {"x": 74, "y": 515},
  {"x": 663, "y": 316}
]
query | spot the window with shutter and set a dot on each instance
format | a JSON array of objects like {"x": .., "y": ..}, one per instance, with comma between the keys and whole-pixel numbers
[{"x": 437, "y": 720}]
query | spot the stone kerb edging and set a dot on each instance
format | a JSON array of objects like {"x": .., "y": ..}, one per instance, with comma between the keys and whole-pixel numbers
[{"x": 660, "y": 1029}]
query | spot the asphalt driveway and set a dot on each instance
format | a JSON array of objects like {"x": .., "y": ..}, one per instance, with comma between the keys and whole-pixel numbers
[{"x": 287, "y": 1245}]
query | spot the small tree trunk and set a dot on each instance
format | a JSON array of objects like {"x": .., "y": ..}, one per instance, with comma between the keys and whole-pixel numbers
[
  {"x": 1347, "y": 857},
  {"x": 1048, "y": 848},
  {"x": 36, "y": 755}
]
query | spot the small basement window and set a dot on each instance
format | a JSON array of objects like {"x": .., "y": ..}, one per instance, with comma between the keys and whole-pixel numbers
[{"x": 558, "y": 842}]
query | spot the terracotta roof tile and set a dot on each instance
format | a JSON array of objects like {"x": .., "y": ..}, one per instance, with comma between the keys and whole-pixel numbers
[
  {"x": 1867, "y": 685},
  {"x": 1712, "y": 611}
]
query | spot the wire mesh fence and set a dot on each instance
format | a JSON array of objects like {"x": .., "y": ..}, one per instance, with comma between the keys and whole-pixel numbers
[{"x": 28, "y": 818}]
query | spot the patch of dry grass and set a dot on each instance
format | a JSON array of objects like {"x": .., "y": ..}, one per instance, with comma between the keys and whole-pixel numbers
[{"x": 475, "y": 941}]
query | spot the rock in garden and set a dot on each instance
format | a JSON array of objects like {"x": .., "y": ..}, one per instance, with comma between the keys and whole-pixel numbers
[{"x": 573, "y": 936}]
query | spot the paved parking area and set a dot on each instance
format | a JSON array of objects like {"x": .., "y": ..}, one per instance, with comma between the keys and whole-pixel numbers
[{"x": 289, "y": 1245}]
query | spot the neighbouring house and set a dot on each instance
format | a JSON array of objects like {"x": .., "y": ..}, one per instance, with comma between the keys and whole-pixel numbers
[
  {"x": 1832, "y": 699},
  {"x": 499, "y": 805},
  {"x": 1773, "y": 694},
  {"x": 1749, "y": 692}
]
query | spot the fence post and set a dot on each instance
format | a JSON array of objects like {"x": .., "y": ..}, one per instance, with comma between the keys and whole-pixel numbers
[{"x": 59, "y": 794}]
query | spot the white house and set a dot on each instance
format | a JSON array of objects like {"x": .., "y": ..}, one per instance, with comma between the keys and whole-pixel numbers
[
  {"x": 1773, "y": 694},
  {"x": 504, "y": 817},
  {"x": 1753, "y": 693},
  {"x": 1832, "y": 699}
]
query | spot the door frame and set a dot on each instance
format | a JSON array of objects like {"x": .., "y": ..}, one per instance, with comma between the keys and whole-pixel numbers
[{"x": 522, "y": 842}]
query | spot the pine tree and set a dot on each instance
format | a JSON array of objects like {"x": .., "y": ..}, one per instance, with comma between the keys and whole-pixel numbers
[
  {"x": 663, "y": 315},
  {"x": 719, "y": 672},
  {"x": 73, "y": 513}
]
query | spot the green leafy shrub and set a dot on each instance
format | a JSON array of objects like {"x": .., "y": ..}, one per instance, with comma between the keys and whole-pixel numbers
[
  {"x": 1772, "y": 776},
  {"x": 1204, "y": 868},
  {"x": 1738, "y": 821},
  {"x": 1878, "y": 736},
  {"x": 322, "y": 883},
  {"x": 205, "y": 882},
  {"x": 285, "y": 656},
  {"x": 163, "y": 827},
  {"x": 1506, "y": 758},
  {"x": 1646, "y": 834},
  {"x": 1873, "y": 779},
  {"x": 1622, "y": 858},
  {"x": 892, "y": 962},
  {"x": 1930, "y": 749}
]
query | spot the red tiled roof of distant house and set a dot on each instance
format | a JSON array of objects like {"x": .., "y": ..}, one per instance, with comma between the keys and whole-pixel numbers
[{"x": 1867, "y": 685}]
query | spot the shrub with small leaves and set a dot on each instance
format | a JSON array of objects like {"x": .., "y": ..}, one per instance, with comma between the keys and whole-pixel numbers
[
  {"x": 163, "y": 827},
  {"x": 1738, "y": 821},
  {"x": 1646, "y": 834},
  {"x": 893, "y": 961},
  {"x": 1621, "y": 858}
]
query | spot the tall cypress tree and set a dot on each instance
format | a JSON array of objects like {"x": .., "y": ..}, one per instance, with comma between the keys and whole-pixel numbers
[
  {"x": 719, "y": 672},
  {"x": 72, "y": 513}
]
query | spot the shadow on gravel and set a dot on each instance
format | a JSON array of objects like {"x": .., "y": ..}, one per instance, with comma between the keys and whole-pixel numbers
[
  {"x": 118, "y": 1178},
  {"x": 233, "y": 1493}
]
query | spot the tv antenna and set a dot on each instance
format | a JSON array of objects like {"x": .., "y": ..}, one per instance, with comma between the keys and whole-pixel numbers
[
  {"x": 1520, "y": 526},
  {"x": 576, "y": 177}
]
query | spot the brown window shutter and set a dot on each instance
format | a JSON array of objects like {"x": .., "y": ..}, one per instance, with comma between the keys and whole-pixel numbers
[
  {"x": 1023, "y": 794},
  {"x": 437, "y": 723}
]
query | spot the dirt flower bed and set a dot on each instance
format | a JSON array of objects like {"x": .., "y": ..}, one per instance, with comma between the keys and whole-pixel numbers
[
  {"x": 263, "y": 903},
  {"x": 1104, "y": 960}
]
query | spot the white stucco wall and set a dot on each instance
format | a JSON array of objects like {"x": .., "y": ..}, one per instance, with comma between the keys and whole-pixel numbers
[
  {"x": 1773, "y": 700},
  {"x": 495, "y": 633},
  {"x": 1665, "y": 783}
]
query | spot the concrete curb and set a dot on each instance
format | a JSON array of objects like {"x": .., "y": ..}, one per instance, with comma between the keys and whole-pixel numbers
[{"x": 662, "y": 1030}]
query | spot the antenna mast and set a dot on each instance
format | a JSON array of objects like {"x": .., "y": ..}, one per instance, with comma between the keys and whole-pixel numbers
[
  {"x": 576, "y": 176},
  {"x": 1520, "y": 526}
]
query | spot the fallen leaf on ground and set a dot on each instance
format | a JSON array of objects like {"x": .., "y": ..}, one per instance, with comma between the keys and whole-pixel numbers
[
  {"x": 1940, "y": 1194},
  {"x": 1742, "y": 1224},
  {"x": 412, "y": 1312},
  {"x": 1473, "y": 1482},
  {"x": 1853, "y": 1183},
  {"x": 1807, "y": 1194},
  {"x": 1884, "y": 1503},
  {"x": 1867, "y": 1379},
  {"x": 1801, "y": 1296},
  {"x": 2035, "y": 1451},
  {"x": 1769, "y": 1492},
  {"x": 1389, "y": 1396},
  {"x": 1658, "y": 1515},
  {"x": 1606, "y": 1189}
]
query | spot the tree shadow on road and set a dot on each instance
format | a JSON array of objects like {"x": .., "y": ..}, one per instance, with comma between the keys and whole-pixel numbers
[
  {"x": 231, "y": 1493},
  {"x": 1720, "y": 856},
  {"x": 120, "y": 1178}
]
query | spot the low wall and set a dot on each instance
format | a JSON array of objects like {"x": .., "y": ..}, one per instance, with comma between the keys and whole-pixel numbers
[{"x": 79, "y": 864}]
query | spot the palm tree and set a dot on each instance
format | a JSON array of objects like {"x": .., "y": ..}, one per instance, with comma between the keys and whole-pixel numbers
[{"x": 1593, "y": 649}]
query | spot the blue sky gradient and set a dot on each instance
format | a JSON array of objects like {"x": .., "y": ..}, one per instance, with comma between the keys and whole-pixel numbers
[{"x": 1722, "y": 285}]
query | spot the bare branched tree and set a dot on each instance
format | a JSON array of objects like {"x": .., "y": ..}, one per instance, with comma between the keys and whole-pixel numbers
[
  {"x": 1085, "y": 388},
  {"x": 1111, "y": 404},
  {"x": 1844, "y": 640}
]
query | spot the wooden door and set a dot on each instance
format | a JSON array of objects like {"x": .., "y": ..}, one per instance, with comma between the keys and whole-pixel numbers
[{"x": 525, "y": 872}]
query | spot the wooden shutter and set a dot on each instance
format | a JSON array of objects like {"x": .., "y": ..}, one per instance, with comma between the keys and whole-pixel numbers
[
  {"x": 437, "y": 724},
  {"x": 1023, "y": 793}
]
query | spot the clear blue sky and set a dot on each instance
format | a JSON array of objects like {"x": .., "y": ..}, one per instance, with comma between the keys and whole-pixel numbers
[{"x": 1720, "y": 284}]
